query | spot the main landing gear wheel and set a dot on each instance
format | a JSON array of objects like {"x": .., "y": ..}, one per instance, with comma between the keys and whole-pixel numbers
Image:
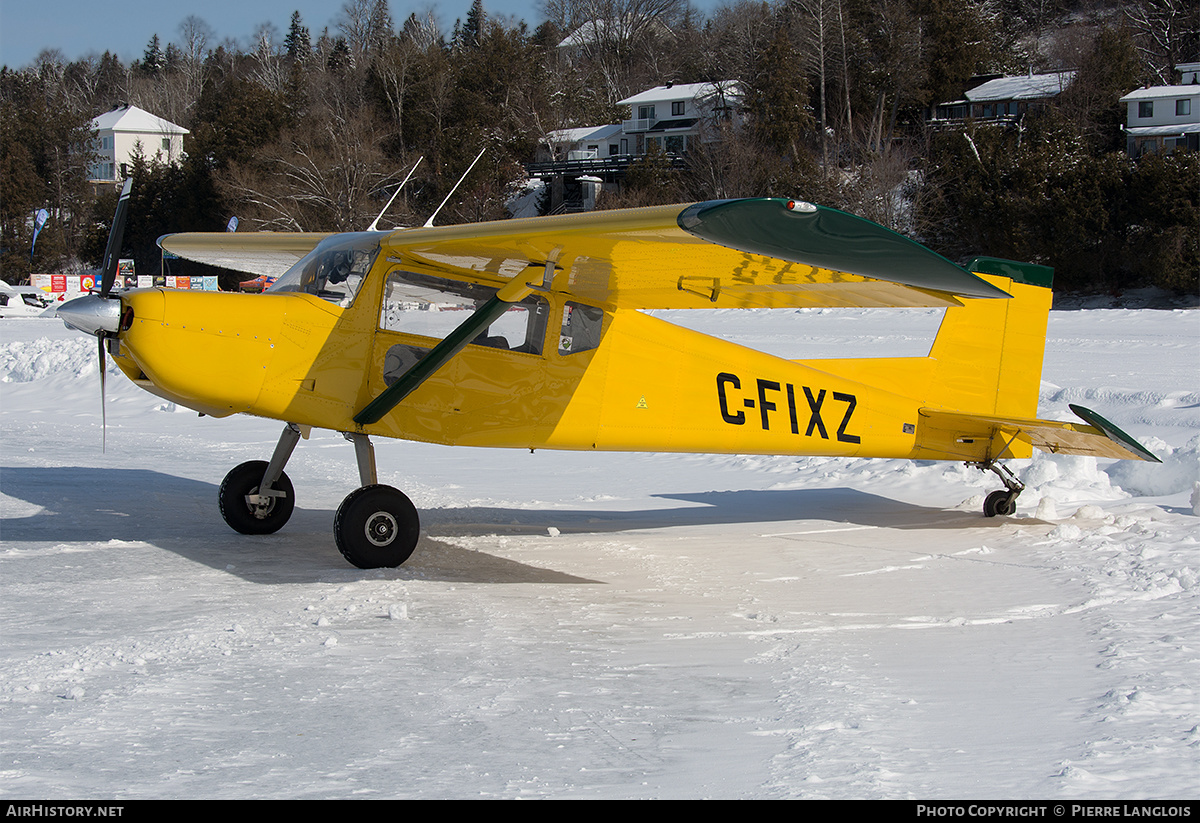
[
  {"x": 1000, "y": 503},
  {"x": 376, "y": 527},
  {"x": 248, "y": 516}
]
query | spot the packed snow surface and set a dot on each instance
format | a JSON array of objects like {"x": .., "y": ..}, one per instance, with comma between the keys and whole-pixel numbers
[{"x": 606, "y": 625}]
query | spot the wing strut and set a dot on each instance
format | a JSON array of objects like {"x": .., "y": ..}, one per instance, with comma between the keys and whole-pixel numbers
[{"x": 514, "y": 291}]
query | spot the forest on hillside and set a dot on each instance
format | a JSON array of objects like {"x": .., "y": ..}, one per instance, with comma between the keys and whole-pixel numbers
[{"x": 295, "y": 130}]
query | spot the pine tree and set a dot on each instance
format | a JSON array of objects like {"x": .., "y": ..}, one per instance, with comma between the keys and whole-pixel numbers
[
  {"x": 472, "y": 30},
  {"x": 379, "y": 29},
  {"x": 298, "y": 42},
  {"x": 152, "y": 60}
]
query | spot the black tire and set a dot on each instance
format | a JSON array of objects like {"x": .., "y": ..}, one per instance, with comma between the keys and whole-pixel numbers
[
  {"x": 377, "y": 527},
  {"x": 999, "y": 502},
  {"x": 240, "y": 515}
]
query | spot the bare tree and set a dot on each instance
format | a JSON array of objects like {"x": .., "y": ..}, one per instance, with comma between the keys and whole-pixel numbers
[
  {"x": 269, "y": 71},
  {"x": 614, "y": 36},
  {"x": 326, "y": 176},
  {"x": 1168, "y": 33}
]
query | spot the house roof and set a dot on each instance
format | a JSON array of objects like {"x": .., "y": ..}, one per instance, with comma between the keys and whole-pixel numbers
[
  {"x": 682, "y": 91},
  {"x": 583, "y": 134},
  {"x": 133, "y": 119},
  {"x": 599, "y": 29},
  {"x": 1026, "y": 87},
  {"x": 668, "y": 125},
  {"x": 1159, "y": 92},
  {"x": 1173, "y": 130}
]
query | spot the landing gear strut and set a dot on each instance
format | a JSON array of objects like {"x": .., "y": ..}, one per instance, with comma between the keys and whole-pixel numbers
[
  {"x": 376, "y": 526},
  {"x": 257, "y": 497},
  {"x": 1003, "y": 502}
]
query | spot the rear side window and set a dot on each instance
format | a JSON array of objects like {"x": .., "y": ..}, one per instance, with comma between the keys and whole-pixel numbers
[{"x": 581, "y": 327}]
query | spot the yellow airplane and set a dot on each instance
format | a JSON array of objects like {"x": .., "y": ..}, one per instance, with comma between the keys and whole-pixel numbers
[{"x": 528, "y": 334}]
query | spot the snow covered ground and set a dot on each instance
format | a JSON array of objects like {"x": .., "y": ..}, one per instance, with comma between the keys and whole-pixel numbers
[{"x": 605, "y": 625}]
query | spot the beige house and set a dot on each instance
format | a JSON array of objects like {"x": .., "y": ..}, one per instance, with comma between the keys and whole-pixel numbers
[{"x": 119, "y": 135}]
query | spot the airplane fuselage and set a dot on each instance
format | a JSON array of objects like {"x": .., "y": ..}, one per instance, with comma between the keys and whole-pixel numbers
[{"x": 645, "y": 385}]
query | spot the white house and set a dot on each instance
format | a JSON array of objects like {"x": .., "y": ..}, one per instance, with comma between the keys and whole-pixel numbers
[
  {"x": 120, "y": 133},
  {"x": 577, "y": 163},
  {"x": 1161, "y": 119},
  {"x": 587, "y": 143},
  {"x": 674, "y": 117}
]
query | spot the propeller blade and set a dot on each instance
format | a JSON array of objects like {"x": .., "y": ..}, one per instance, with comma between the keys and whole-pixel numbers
[
  {"x": 112, "y": 252},
  {"x": 103, "y": 400}
]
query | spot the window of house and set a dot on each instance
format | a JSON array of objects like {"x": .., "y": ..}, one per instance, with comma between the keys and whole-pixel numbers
[
  {"x": 645, "y": 112},
  {"x": 677, "y": 109},
  {"x": 1183, "y": 107},
  {"x": 1146, "y": 108},
  {"x": 675, "y": 144},
  {"x": 166, "y": 143}
]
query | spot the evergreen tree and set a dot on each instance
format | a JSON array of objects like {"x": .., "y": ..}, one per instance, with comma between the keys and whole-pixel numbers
[
  {"x": 471, "y": 33},
  {"x": 152, "y": 59},
  {"x": 298, "y": 42},
  {"x": 776, "y": 101},
  {"x": 379, "y": 31}
]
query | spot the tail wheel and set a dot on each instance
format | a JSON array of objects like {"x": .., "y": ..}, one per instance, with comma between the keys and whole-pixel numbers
[
  {"x": 377, "y": 527},
  {"x": 246, "y": 517}
]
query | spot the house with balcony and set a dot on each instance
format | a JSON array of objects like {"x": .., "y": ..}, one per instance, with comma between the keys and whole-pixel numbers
[
  {"x": 674, "y": 119},
  {"x": 1161, "y": 119},
  {"x": 587, "y": 143},
  {"x": 126, "y": 130},
  {"x": 1001, "y": 99}
]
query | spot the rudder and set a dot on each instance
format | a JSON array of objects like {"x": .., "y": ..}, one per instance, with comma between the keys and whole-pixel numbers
[{"x": 988, "y": 353}]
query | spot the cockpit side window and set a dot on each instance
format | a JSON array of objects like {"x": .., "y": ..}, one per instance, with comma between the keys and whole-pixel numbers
[
  {"x": 335, "y": 269},
  {"x": 432, "y": 306}
]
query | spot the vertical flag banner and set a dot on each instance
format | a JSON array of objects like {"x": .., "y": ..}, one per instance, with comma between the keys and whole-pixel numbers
[{"x": 39, "y": 220}]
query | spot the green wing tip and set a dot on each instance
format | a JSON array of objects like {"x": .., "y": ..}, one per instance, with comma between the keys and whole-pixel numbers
[
  {"x": 802, "y": 232},
  {"x": 1113, "y": 433},
  {"x": 1031, "y": 274}
]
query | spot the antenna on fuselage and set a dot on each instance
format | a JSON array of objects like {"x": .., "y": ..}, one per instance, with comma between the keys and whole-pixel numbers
[
  {"x": 375, "y": 224},
  {"x": 429, "y": 222}
]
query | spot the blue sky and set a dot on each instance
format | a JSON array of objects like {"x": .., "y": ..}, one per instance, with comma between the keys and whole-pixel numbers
[{"x": 79, "y": 28}]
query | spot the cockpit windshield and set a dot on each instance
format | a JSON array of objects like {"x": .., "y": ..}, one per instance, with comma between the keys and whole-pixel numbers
[{"x": 335, "y": 269}]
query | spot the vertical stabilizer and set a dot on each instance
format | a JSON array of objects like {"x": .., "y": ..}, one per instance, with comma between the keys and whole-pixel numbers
[{"x": 988, "y": 353}]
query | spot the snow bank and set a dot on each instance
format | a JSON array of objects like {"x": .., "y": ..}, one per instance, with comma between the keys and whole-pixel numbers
[{"x": 604, "y": 625}]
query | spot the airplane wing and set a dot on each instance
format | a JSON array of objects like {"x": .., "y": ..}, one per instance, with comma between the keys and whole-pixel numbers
[
  {"x": 757, "y": 253},
  {"x": 1098, "y": 438},
  {"x": 265, "y": 252}
]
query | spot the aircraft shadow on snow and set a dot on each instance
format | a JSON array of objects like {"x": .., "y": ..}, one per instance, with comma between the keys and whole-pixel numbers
[{"x": 91, "y": 505}]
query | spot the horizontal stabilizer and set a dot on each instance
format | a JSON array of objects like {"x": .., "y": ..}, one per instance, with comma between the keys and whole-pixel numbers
[{"x": 1096, "y": 437}]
